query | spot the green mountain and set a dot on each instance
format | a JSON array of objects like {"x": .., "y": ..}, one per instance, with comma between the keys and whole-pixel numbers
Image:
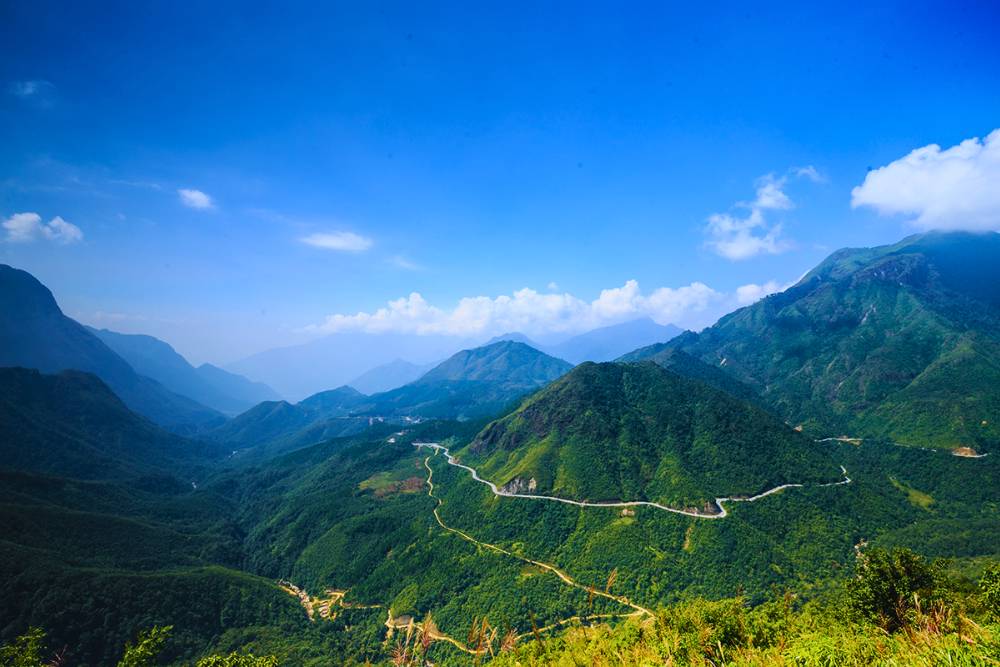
[
  {"x": 473, "y": 383},
  {"x": 209, "y": 385},
  {"x": 273, "y": 427},
  {"x": 640, "y": 432},
  {"x": 898, "y": 342},
  {"x": 684, "y": 364},
  {"x": 72, "y": 425},
  {"x": 339, "y": 402},
  {"x": 34, "y": 333}
]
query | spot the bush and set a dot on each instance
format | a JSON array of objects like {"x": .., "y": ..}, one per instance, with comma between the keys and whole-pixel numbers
[
  {"x": 989, "y": 588},
  {"x": 889, "y": 586}
]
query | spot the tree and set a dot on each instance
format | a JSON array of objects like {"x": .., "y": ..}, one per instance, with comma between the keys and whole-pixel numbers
[
  {"x": 238, "y": 660},
  {"x": 147, "y": 646},
  {"x": 26, "y": 651},
  {"x": 889, "y": 585},
  {"x": 989, "y": 587}
]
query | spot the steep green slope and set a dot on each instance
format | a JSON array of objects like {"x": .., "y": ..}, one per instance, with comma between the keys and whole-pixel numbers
[
  {"x": 473, "y": 383},
  {"x": 207, "y": 384},
  {"x": 684, "y": 364},
  {"x": 639, "y": 432},
  {"x": 71, "y": 424},
  {"x": 34, "y": 333},
  {"x": 901, "y": 342},
  {"x": 275, "y": 427}
]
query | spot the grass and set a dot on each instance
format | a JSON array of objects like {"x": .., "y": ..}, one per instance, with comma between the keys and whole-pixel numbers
[{"x": 916, "y": 497}]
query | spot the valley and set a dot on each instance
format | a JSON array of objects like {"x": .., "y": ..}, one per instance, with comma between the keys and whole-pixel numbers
[{"x": 504, "y": 503}]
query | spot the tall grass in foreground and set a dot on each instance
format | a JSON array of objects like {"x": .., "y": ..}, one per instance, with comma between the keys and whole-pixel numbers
[{"x": 897, "y": 610}]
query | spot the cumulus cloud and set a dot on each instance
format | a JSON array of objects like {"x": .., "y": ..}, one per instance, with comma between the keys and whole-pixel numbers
[
  {"x": 28, "y": 227},
  {"x": 529, "y": 311},
  {"x": 953, "y": 188},
  {"x": 737, "y": 237},
  {"x": 343, "y": 241},
  {"x": 195, "y": 199},
  {"x": 752, "y": 292}
]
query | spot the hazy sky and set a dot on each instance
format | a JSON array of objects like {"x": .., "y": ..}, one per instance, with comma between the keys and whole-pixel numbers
[{"x": 236, "y": 177}]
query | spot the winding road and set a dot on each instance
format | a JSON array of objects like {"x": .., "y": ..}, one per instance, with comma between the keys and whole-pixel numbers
[
  {"x": 721, "y": 514},
  {"x": 566, "y": 579}
]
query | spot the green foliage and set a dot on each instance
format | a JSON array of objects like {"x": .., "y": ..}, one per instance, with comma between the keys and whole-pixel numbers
[
  {"x": 989, "y": 586},
  {"x": 146, "y": 648},
  {"x": 238, "y": 660},
  {"x": 24, "y": 651},
  {"x": 639, "y": 432},
  {"x": 889, "y": 586},
  {"x": 72, "y": 425},
  {"x": 895, "y": 342}
]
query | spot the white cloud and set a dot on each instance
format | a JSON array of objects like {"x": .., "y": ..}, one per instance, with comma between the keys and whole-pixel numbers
[
  {"x": 531, "y": 312},
  {"x": 553, "y": 286},
  {"x": 401, "y": 262},
  {"x": 344, "y": 241},
  {"x": 28, "y": 227},
  {"x": 22, "y": 227},
  {"x": 751, "y": 293},
  {"x": 954, "y": 188},
  {"x": 743, "y": 236},
  {"x": 811, "y": 173},
  {"x": 60, "y": 231},
  {"x": 195, "y": 199}
]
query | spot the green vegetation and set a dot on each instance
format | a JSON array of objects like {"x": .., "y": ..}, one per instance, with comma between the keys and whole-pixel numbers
[
  {"x": 132, "y": 546},
  {"x": 897, "y": 608},
  {"x": 27, "y": 651},
  {"x": 946, "y": 622},
  {"x": 72, "y": 425},
  {"x": 900, "y": 342},
  {"x": 473, "y": 383},
  {"x": 918, "y": 498},
  {"x": 640, "y": 432},
  {"x": 34, "y": 333}
]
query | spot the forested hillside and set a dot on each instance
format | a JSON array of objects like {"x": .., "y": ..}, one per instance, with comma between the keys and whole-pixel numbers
[{"x": 899, "y": 342}]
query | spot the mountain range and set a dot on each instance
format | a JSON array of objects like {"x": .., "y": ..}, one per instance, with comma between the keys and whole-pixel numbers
[
  {"x": 209, "y": 385},
  {"x": 34, "y": 333},
  {"x": 337, "y": 359},
  {"x": 112, "y": 524},
  {"x": 899, "y": 342},
  {"x": 374, "y": 363},
  {"x": 388, "y": 376},
  {"x": 469, "y": 384}
]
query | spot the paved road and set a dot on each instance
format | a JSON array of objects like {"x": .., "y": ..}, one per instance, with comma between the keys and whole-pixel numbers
[{"x": 721, "y": 514}]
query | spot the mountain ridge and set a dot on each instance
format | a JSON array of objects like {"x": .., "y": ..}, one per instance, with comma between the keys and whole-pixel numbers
[
  {"x": 207, "y": 384},
  {"x": 34, "y": 333},
  {"x": 899, "y": 341}
]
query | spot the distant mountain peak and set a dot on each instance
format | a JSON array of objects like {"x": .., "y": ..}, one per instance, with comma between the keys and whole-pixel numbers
[
  {"x": 611, "y": 342},
  {"x": 514, "y": 336}
]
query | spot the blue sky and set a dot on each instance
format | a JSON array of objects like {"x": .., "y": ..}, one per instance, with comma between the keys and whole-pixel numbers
[{"x": 458, "y": 152}]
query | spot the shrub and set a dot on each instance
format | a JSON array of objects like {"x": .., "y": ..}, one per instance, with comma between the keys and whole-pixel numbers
[{"x": 889, "y": 586}]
